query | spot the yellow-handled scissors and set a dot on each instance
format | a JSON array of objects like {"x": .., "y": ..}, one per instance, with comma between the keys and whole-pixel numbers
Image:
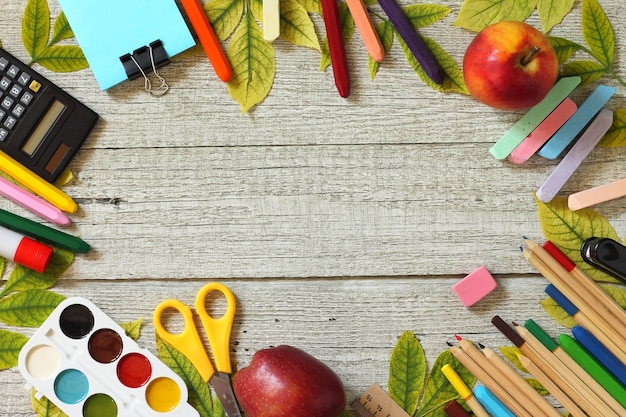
[{"x": 218, "y": 330}]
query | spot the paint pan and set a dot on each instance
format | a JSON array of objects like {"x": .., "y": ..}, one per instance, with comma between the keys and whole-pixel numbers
[{"x": 84, "y": 363}]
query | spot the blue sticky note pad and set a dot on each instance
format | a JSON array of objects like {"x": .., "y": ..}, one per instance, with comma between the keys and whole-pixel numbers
[
  {"x": 566, "y": 134},
  {"x": 107, "y": 30}
]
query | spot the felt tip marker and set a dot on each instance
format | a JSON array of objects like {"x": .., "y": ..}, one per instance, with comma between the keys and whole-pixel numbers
[
  {"x": 24, "y": 251},
  {"x": 33, "y": 203}
]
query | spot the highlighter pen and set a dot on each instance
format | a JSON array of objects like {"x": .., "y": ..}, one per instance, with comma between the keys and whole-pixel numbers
[
  {"x": 491, "y": 403},
  {"x": 24, "y": 251},
  {"x": 415, "y": 43},
  {"x": 466, "y": 394},
  {"x": 336, "y": 48},
  {"x": 208, "y": 40},
  {"x": 593, "y": 368},
  {"x": 33, "y": 203},
  {"x": 44, "y": 233},
  {"x": 36, "y": 184},
  {"x": 600, "y": 352},
  {"x": 366, "y": 29}
]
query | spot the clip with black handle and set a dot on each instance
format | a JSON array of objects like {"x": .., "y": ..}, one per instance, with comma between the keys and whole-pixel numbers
[{"x": 606, "y": 255}]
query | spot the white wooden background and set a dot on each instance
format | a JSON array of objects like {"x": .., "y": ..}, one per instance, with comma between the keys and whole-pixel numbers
[{"x": 338, "y": 223}]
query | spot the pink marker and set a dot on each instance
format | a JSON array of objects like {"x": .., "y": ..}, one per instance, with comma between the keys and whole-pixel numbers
[
  {"x": 33, "y": 203},
  {"x": 24, "y": 251},
  {"x": 540, "y": 135}
]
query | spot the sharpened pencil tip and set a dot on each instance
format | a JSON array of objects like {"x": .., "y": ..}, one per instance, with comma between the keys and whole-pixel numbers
[
  {"x": 449, "y": 344},
  {"x": 480, "y": 345},
  {"x": 457, "y": 337}
]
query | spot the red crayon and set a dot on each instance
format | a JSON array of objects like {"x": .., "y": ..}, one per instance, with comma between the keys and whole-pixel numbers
[{"x": 336, "y": 47}]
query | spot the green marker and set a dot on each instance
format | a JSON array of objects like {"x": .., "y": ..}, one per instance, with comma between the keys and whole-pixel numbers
[
  {"x": 42, "y": 232},
  {"x": 593, "y": 368},
  {"x": 533, "y": 117}
]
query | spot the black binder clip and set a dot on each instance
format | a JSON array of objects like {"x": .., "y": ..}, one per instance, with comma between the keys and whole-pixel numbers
[
  {"x": 144, "y": 60},
  {"x": 607, "y": 255}
]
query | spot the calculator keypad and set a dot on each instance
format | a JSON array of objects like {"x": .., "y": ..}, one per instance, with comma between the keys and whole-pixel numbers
[{"x": 17, "y": 91}]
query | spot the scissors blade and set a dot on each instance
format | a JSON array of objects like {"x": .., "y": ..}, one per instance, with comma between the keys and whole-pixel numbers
[{"x": 221, "y": 384}]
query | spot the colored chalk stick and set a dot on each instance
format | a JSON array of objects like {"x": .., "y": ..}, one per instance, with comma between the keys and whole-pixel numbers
[
  {"x": 566, "y": 134},
  {"x": 564, "y": 170},
  {"x": 597, "y": 195},
  {"x": 492, "y": 404},
  {"x": 503, "y": 147},
  {"x": 543, "y": 132}
]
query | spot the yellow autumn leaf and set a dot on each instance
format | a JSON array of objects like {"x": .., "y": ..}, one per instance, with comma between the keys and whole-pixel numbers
[
  {"x": 254, "y": 64},
  {"x": 296, "y": 25},
  {"x": 224, "y": 16},
  {"x": 569, "y": 229},
  {"x": 476, "y": 15},
  {"x": 616, "y": 136},
  {"x": 552, "y": 12}
]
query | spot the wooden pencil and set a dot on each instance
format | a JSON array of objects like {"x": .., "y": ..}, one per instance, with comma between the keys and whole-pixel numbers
[
  {"x": 602, "y": 396},
  {"x": 523, "y": 387},
  {"x": 556, "y": 371},
  {"x": 478, "y": 357},
  {"x": 595, "y": 323},
  {"x": 552, "y": 388},
  {"x": 487, "y": 380},
  {"x": 590, "y": 286}
]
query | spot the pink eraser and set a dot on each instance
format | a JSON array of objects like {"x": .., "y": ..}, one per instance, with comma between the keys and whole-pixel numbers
[
  {"x": 475, "y": 286},
  {"x": 543, "y": 132}
]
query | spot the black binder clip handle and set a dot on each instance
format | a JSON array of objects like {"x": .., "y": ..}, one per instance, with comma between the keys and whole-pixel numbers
[{"x": 145, "y": 60}]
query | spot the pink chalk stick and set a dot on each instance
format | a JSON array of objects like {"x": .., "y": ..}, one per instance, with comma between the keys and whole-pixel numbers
[
  {"x": 474, "y": 286},
  {"x": 535, "y": 140}
]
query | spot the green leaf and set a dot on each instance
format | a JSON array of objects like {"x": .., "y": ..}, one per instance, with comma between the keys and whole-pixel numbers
[
  {"x": 564, "y": 48},
  {"x": 62, "y": 58},
  {"x": 588, "y": 71},
  {"x": 133, "y": 328},
  {"x": 29, "y": 308},
  {"x": 555, "y": 311},
  {"x": 224, "y": 15},
  {"x": 616, "y": 136},
  {"x": 407, "y": 372},
  {"x": 476, "y": 15},
  {"x": 385, "y": 32},
  {"x": 617, "y": 293},
  {"x": 61, "y": 30},
  {"x": 253, "y": 62},
  {"x": 423, "y": 15},
  {"x": 568, "y": 229},
  {"x": 23, "y": 278},
  {"x": 453, "y": 81},
  {"x": 347, "y": 31},
  {"x": 43, "y": 407},
  {"x": 199, "y": 393},
  {"x": 296, "y": 26},
  {"x": 10, "y": 345},
  {"x": 552, "y": 12},
  {"x": 36, "y": 26},
  {"x": 598, "y": 32},
  {"x": 438, "y": 391},
  {"x": 312, "y": 6}
]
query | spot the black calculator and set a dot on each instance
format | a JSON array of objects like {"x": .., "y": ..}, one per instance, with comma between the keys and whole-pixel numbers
[{"x": 41, "y": 126}]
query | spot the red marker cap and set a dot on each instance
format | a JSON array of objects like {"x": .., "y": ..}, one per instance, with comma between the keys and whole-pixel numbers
[{"x": 33, "y": 255}]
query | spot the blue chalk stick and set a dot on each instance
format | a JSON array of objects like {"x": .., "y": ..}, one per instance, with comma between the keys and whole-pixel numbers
[
  {"x": 566, "y": 134},
  {"x": 491, "y": 403}
]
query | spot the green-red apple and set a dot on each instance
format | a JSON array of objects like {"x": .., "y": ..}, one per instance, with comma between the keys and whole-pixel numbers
[
  {"x": 285, "y": 381},
  {"x": 510, "y": 65}
]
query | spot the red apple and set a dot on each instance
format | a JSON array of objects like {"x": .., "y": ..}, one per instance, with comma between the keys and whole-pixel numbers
[
  {"x": 285, "y": 381},
  {"x": 510, "y": 66}
]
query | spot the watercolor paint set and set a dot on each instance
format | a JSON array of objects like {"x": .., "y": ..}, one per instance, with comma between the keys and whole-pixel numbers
[{"x": 84, "y": 362}]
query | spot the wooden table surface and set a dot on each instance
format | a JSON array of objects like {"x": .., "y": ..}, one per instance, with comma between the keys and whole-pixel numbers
[{"x": 338, "y": 223}]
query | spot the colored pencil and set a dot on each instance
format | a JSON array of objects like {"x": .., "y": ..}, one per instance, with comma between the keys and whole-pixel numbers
[
  {"x": 466, "y": 394},
  {"x": 336, "y": 48},
  {"x": 597, "y": 314},
  {"x": 556, "y": 371},
  {"x": 589, "y": 287},
  {"x": 575, "y": 371},
  {"x": 552, "y": 388},
  {"x": 484, "y": 377},
  {"x": 543, "y": 407}
]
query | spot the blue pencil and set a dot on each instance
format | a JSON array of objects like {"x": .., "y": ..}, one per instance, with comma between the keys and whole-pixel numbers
[{"x": 601, "y": 353}]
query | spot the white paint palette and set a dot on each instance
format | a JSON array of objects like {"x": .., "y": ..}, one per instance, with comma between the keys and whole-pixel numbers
[{"x": 83, "y": 362}]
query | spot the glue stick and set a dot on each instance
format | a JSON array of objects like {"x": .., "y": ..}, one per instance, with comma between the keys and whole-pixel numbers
[{"x": 24, "y": 250}]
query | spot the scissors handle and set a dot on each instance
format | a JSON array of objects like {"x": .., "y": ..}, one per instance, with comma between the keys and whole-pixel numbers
[
  {"x": 217, "y": 329},
  {"x": 188, "y": 341}
]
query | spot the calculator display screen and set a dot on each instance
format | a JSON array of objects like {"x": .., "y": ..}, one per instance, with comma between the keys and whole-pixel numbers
[{"x": 45, "y": 124}]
